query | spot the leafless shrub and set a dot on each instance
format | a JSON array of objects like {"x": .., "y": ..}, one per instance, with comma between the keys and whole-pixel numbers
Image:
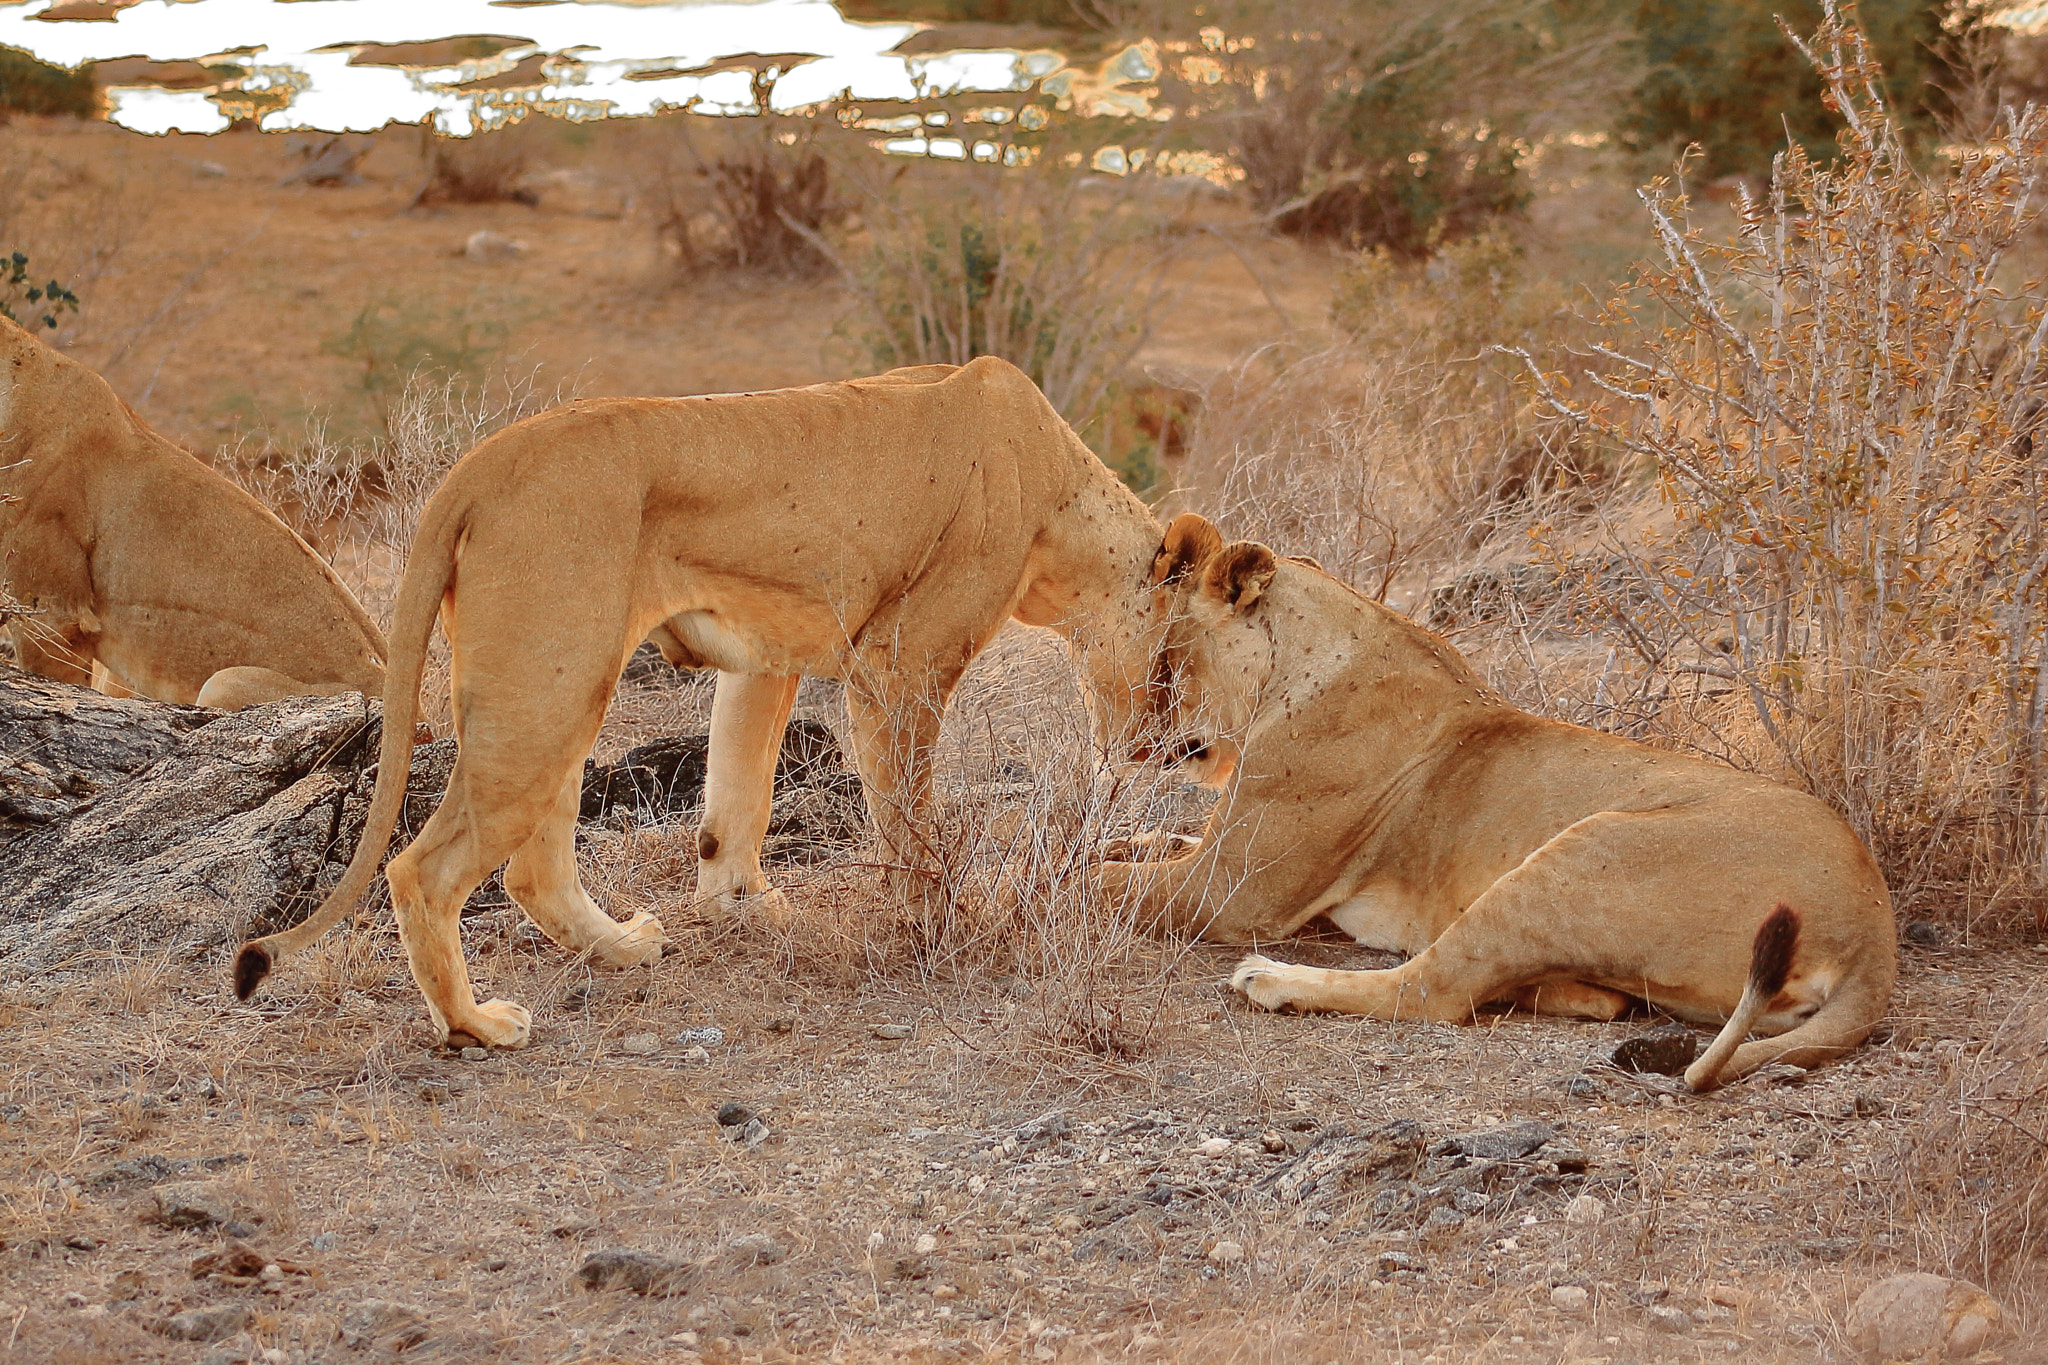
[
  {"x": 1841, "y": 415},
  {"x": 1400, "y": 453},
  {"x": 758, "y": 203},
  {"x": 483, "y": 168},
  {"x": 1018, "y": 250},
  {"x": 1972, "y": 1189}
]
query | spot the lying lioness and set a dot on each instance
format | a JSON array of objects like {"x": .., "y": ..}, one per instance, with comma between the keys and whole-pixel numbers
[
  {"x": 120, "y": 550},
  {"x": 879, "y": 531},
  {"x": 1371, "y": 777}
]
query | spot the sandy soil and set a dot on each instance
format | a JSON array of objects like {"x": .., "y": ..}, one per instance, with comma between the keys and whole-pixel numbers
[{"x": 1061, "y": 1159}]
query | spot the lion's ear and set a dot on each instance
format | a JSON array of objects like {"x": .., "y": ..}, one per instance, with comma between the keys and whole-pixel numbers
[
  {"x": 1238, "y": 574},
  {"x": 1190, "y": 540}
]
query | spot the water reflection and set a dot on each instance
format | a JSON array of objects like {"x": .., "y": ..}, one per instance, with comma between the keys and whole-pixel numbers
[{"x": 356, "y": 65}]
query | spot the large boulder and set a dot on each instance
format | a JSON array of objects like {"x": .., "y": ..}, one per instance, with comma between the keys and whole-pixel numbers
[
  {"x": 133, "y": 826},
  {"x": 1922, "y": 1317}
]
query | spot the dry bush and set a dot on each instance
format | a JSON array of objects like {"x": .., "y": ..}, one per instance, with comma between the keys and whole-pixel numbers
[
  {"x": 1840, "y": 412},
  {"x": 1017, "y": 250},
  {"x": 759, "y": 202},
  {"x": 483, "y": 168},
  {"x": 1973, "y": 1170},
  {"x": 1399, "y": 125},
  {"x": 1402, "y": 453}
]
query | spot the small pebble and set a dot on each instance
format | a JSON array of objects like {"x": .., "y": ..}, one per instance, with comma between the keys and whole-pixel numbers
[
  {"x": 696, "y": 1056},
  {"x": 926, "y": 1244},
  {"x": 639, "y": 1044},
  {"x": 1570, "y": 1298},
  {"x": 1215, "y": 1146},
  {"x": 476, "y": 1054},
  {"x": 701, "y": 1037},
  {"x": 1584, "y": 1210},
  {"x": 892, "y": 1032},
  {"x": 1226, "y": 1253},
  {"x": 74, "y": 1299}
]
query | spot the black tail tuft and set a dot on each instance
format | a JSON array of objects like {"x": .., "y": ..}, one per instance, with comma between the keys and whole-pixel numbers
[
  {"x": 1770, "y": 961},
  {"x": 252, "y": 964}
]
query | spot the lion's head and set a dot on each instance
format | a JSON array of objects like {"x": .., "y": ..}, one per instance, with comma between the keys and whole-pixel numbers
[{"x": 1215, "y": 652}]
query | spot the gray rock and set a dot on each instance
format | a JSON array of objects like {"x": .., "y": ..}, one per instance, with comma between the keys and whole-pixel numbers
[
  {"x": 756, "y": 1248},
  {"x": 710, "y": 1036},
  {"x": 204, "y": 1324},
  {"x": 476, "y": 1054},
  {"x": 1340, "y": 1164},
  {"x": 752, "y": 1133},
  {"x": 1505, "y": 1143},
  {"x": 1925, "y": 934},
  {"x": 1923, "y": 1317},
  {"x": 1663, "y": 1318},
  {"x": 642, "y": 1272},
  {"x": 1442, "y": 1221},
  {"x": 1666, "y": 1050},
  {"x": 733, "y": 1114},
  {"x": 192, "y": 1204},
  {"x": 892, "y": 1033},
  {"x": 141, "y": 1170},
  {"x": 640, "y": 1044},
  {"x": 383, "y": 1323}
]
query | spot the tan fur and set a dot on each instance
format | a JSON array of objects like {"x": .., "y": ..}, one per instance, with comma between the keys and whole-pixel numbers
[
  {"x": 878, "y": 531},
  {"x": 140, "y": 570},
  {"x": 1370, "y": 776}
]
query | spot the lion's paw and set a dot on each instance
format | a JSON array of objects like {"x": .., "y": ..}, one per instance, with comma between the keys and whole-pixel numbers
[
  {"x": 1263, "y": 981},
  {"x": 498, "y": 1023},
  {"x": 637, "y": 944}
]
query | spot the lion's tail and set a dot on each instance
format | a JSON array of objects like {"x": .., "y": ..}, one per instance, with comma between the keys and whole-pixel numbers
[
  {"x": 428, "y": 570},
  {"x": 1842, "y": 1021}
]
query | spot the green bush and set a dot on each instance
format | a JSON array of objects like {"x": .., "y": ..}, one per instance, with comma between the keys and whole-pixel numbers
[
  {"x": 1724, "y": 75},
  {"x": 43, "y": 301},
  {"x": 32, "y": 86}
]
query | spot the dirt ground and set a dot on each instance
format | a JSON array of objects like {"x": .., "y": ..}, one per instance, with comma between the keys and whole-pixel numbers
[{"x": 1053, "y": 1161}]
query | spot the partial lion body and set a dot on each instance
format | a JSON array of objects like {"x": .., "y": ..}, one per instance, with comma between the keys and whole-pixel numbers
[
  {"x": 878, "y": 531},
  {"x": 140, "y": 570},
  {"x": 1372, "y": 778}
]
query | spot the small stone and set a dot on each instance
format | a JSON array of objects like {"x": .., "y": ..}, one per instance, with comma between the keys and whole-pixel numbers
[
  {"x": 204, "y": 1324},
  {"x": 141, "y": 1170},
  {"x": 1921, "y": 1316},
  {"x": 892, "y": 1033},
  {"x": 1585, "y": 1210},
  {"x": 945, "y": 1292},
  {"x": 1570, "y": 1298},
  {"x": 1925, "y": 934},
  {"x": 701, "y": 1037},
  {"x": 1778, "y": 1073},
  {"x": 925, "y": 1245},
  {"x": 80, "y": 1242},
  {"x": 733, "y": 1114},
  {"x": 1272, "y": 1142},
  {"x": 640, "y": 1044},
  {"x": 240, "y": 1349},
  {"x": 1664, "y": 1318},
  {"x": 434, "y": 1091},
  {"x": 696, "y": 1056},
  {"x": 191, "y": 1204},
  {"x": 74, "y": 1299},
  {"x": 1441, "y": 1221},
  {"x": 1505, "y": 1143},
  {"x": 239, "y": 1228},
  {"x": 1389, "y": 1262},
  {"x": 1226, "y": 1253},
  {"x": 475, "y": 1054},
  {"x": 1711, "y": 1312},
  {"x": 640, "y": 1271},
  {"x": 488, "y": 246},
  {"x": 1584, "y": 1088},
  {"x": 756, "y": 1248},
  {"x": 1214, "y": 1147},
  {"x": 1666, "y": 1050},
  {"x": 781, "y": 1023},
  {"x": 325, "y": 1241},
  {"x": 384, "y": 1323}
]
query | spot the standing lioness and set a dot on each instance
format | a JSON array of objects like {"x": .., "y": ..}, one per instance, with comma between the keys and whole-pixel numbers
[
  {"x": 1373, "y": 778},
  {"x": 880, "y": 531}
]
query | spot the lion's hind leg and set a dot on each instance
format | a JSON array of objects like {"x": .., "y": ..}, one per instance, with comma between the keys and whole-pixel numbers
[
  {"x": 1389, "y": 994},
  {"x": 430, "y": 881},
  {"x": 542, "y": 878},
  {"x": 231, "y": 689},
  {"x": 1572, "y": 1000}
]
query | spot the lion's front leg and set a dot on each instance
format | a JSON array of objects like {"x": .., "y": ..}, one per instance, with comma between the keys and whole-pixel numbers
[
  {"x": 893, "y": 735},
  {"x": 749, "y": 712}
]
